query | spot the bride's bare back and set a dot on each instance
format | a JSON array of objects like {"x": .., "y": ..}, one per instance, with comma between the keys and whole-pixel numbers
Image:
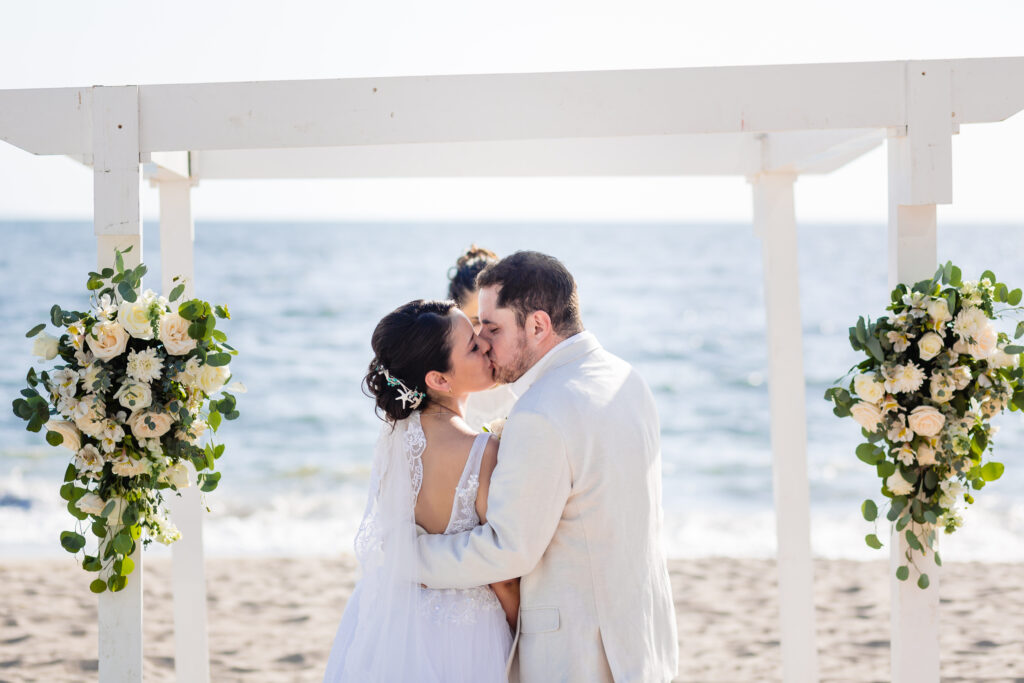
[{"x": 449, "y": 441}]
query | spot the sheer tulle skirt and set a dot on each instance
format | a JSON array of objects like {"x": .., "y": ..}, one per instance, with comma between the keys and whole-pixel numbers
[{"x": 464, "y": 635}]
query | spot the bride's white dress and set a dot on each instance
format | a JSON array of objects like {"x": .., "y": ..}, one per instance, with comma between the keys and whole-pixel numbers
[{"x": 465, "y": 637}]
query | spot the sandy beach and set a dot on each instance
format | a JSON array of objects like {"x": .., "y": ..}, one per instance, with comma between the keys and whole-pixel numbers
[{"x": 274, "y": 619}]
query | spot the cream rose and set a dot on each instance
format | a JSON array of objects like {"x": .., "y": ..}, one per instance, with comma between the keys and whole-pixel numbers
[
  {"x": 108, "y": 340},
  {"x": 867, "y": 387},
  {"x": 174, "y": 335},
  {"x": 898, "y": 485},
  {"x": 930, "y": 345},
  {"x": 134, "y": 395},
  {"x": 194, "y": 433},
  {"x": 926, "y": 420},
  {"x": 938, "y": 310},
  {"x": 72, "y": 437},
  {"x": 177, "y": 475},
  {"x": 91, "y": 504},
  {"x": 210, "y": 379},
  {"x": 91, "y": 415},
  {"x": 1001, "y": 359},
  {"x": 925, "y": 455},
  {"x": 134, "y": 318},
  {"x": 161, "y": 424},
  {"x": 867, "y": 415},
  {"x": 45, "y": 346},
  {"x": 985, "y": 343}
]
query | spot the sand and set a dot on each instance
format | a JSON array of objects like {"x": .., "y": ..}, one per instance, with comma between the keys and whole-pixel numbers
[{"x": 274, "y": 619}]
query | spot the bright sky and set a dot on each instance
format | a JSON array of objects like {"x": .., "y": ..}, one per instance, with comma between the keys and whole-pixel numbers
[{"x": 113, "y": 42}]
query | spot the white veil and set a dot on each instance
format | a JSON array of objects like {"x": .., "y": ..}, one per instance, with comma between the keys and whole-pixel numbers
[{"x": 380, "y": 637}]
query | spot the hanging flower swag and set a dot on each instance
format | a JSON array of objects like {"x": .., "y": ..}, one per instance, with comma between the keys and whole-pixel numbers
[
  {"x": 135, "y": 388},
  {"x": 937, "y": 372}
]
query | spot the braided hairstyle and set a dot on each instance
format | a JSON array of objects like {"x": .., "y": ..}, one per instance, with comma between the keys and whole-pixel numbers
[
  {"x": 462, "y": 275},
  {"x": 408, "y": 342}
]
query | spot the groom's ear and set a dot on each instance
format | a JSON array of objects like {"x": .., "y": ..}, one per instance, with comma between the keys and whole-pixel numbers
[
  {"x": 436, "y": 381},
  {"x": 538, "y": 326}
]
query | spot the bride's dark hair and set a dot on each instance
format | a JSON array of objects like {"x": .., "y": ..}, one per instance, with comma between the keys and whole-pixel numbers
[{"x": 408, "y": 342}]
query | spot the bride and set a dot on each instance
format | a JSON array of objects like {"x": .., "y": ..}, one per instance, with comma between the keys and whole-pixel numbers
[{"x": 430, "y": 469}]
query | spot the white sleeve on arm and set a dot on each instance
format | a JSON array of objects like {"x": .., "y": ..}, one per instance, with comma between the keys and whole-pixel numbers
[{"x": 529, "y": 488}]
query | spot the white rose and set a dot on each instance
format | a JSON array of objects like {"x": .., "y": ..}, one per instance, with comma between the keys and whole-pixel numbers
[
  {"x": 45, "y": 346},
  {"x": 108, "y": 340},
  {"x": 930, "y": 345},
  {"x": 985, "y": 342},
  {"x": 938, "y": 310},
  {"x": 867, "y": 415},
  {"x": 161, "y": 424},
  {"x": 925, "y": 455},
  {"x": 926, "y": 420},
  {"x": 134, "y": 395},
  {"x": 72, "y": 437},
  {"x": 898, "y": 485},
  {"x": 177, "y": 475},
  {"x": 174, "y": 335},
  {"x": 134, "y": 318},
  {"x": 867, "y": 387},
  {"x": 91, "y": 415},
  {"x": 91, "y": 504},
  {"x": 210, "y": 379},
  {"x": 89, "y": 459}
]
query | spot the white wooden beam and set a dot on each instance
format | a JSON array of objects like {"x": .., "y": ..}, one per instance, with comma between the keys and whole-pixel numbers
[
  {"x": 775, "y": 224},
  {"x": 188, "y": 581},
  {"x": 433, "y": 109},
  {"x": 117, "y": 226},
  {"x": 912, "y": 257},
  {"x": 159, "y": 166}
]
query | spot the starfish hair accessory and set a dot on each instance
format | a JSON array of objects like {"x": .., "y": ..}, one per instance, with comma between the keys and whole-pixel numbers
[{"x": 409, "y": 397}]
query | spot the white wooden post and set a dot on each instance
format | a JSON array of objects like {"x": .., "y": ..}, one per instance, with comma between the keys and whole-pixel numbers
[
  {"x": 920, "y": 176},
  {"x": 117, "y": 226},
  {"x": 775, "y": 224},
  {"x": 188, "y": 582}
]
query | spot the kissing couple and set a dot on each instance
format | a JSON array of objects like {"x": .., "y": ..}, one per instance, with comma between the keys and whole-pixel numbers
[{"x": 529, "y": 552}]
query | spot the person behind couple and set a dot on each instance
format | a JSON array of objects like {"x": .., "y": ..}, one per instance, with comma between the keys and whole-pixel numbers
[
  {"x": 427, "y": 360},
  {"x": 574, "y": 501},
  {"x": 484, "y": 407}
]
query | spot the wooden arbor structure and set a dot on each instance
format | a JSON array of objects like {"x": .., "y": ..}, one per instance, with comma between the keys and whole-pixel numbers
[{"x": 767, "y": 123}]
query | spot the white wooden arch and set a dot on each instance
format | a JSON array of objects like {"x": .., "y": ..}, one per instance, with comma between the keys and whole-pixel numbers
[{"x": 767, "y": 123}]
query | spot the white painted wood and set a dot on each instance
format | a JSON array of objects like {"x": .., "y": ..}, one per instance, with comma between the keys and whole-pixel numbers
[
  {"x": 775, "y": 224},
  {"x": 116, "y": 223},
  {"x": 188, "y": 579},
  {"x": 929, "y": 163},
  {"x": 433, "y": 109},
  {"x": 667, "y": 155},
  {"x": 914, "y": 612},
  {"x": 158, "y": 166}
]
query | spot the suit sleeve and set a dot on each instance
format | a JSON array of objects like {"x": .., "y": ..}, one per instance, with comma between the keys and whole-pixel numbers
[{"x": 529, "y": 489}]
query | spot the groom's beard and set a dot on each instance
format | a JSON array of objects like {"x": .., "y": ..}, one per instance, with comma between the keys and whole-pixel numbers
[{"x": 521, "y": 362}]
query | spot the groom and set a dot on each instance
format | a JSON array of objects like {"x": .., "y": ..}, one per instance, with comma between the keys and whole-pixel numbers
[{"x": 575, "y": 501}]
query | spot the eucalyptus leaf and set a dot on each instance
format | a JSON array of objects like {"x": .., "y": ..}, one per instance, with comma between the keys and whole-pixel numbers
[
  {"x": 869, "y": 510},
  {"x": 126, "y": 291},
  {"x": 176, "y": 292},
  {"x": 872, "y": 541},
  {"x": 922, "y": 581},
  {"x": 42, "y": 326},
  {"x": 903, "y": 572},
  {"x": 992, "y": 471},
  {"x": 98, "y": 586}
]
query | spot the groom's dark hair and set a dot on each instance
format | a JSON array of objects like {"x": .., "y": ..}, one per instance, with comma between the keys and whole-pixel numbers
[{"x": 531, "y": 281}]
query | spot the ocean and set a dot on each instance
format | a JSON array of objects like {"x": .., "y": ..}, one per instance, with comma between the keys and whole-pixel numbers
[{"x": 682, "y": 302}]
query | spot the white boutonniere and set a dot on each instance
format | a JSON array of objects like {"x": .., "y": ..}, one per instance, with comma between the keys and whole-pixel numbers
[{"x": 495, "y": 427}]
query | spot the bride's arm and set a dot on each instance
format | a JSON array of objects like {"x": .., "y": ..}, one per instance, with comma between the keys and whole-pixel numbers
[
  {"x": 506, "y": 591},
  {"x": 526, "y": 498}
]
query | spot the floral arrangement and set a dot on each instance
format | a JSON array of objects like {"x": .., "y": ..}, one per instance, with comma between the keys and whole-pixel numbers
[
  {"x": 134, "y": 388},
  {"x": 937, "y": 371}
]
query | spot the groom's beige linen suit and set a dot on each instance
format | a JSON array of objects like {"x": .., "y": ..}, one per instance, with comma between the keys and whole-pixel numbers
[{"x": 575, "y": 509}]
